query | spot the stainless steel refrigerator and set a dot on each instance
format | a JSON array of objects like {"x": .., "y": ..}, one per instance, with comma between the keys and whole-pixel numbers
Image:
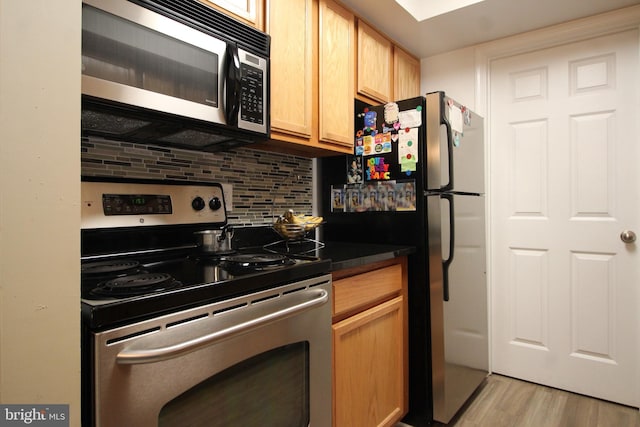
[{"x": 417, "y": 178}]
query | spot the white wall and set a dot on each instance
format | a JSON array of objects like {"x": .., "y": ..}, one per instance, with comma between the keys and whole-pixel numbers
[
  {"x": 452, "y": 72},
  {"x": 39, "y": 203},
  {"x": 463, "y": 73}
]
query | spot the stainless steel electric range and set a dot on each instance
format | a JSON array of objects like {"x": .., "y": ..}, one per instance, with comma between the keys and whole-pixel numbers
[{"x": 177, "y": 335}]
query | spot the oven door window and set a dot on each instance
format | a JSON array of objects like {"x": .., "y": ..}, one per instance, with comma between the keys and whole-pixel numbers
[
  {"x": 271, "y": 388},
  {"x": 123, "y": 52}
]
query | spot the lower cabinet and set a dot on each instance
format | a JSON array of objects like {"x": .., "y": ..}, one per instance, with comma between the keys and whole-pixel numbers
[{"x": 370, "y": 347}]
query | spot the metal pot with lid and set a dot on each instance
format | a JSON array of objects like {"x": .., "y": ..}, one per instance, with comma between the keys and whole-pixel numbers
[{"x": 215, "y": 241}]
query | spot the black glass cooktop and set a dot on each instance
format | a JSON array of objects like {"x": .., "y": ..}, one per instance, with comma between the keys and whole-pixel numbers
[{"x": 121, "y": 289}]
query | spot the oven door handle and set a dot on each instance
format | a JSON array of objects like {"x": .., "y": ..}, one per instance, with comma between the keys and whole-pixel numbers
[{"x": 191, "y": 336}]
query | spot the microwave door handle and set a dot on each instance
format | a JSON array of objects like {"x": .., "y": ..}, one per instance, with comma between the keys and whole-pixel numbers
[
  {"x": 452, "y": 235},
  {"x": 232, "y": 79}
]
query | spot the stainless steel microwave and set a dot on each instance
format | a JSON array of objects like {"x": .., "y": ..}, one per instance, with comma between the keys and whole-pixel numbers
[{"x": 173, "y": 72}]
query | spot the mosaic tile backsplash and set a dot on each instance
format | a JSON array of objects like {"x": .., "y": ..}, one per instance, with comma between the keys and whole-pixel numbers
[{"x": 264, "y": 184}]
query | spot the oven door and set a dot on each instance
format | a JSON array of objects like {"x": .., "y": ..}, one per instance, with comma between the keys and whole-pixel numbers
[{"x": 261, "y": 359}]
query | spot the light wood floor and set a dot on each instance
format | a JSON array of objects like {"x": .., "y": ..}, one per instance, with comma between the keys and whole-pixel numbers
[{"x": 507, "y": 402}]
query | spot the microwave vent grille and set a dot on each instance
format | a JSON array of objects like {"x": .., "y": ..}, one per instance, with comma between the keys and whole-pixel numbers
[{"x": 211, "y": 21}]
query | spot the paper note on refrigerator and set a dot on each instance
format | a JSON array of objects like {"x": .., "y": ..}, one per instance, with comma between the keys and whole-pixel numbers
[
  {"x": 455, "y": 119},
  {"x": 410, "y": 118},
  {"x": 408, "y": 149}
]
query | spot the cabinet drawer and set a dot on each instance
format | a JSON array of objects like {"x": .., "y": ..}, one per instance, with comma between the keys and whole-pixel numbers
[{"x": 363, "y": 290}]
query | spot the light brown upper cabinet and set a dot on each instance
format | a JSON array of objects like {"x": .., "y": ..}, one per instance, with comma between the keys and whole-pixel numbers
[
  {"x": 384, "y": 72},
  {"x": 292, "y": 57},
  {"x": 250, "y": 12},
  {"x": 312, "y": 85},
  {"x": 314, "y": 75},
  {"x": 406, "y": 71},
  {"x": 336, "y": 70},
  {"x": 375, "y": 56}
]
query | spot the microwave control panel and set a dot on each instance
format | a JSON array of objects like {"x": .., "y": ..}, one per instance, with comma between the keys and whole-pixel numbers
[
  {"x": 254, "y": 83},
  {"x": 252, "y": 100}
]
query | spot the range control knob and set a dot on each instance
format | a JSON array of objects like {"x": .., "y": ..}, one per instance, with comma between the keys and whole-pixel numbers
[
  {"x": 215, "y": 204},
  {"x": 198, "y": 203}
]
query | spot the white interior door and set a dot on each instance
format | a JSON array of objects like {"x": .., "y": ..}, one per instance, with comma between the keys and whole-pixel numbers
[{"x": 564, "y": 185}]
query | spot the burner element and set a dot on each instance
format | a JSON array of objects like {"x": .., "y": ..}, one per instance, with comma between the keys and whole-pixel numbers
[
  {"x": 258, "y": 261},
  {"x": 115, "y": 267},
  {"x": 136, "y": 284}
]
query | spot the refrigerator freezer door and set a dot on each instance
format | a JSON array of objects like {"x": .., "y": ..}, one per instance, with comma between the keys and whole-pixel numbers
[
  {"x": 455, "y": 146},
  {"x": 459, "y": 325}
]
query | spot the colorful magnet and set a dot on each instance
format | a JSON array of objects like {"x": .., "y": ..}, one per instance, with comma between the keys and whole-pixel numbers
[
  {"x": 377, "y": 169},
  {"x": 370, "y": 118},
  {"x": 391, "y": 111}
]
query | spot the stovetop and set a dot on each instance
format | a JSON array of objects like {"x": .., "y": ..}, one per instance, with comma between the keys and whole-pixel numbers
[
  {"x": 120, "y": 289},
  {"x": 140, "y": 260}
]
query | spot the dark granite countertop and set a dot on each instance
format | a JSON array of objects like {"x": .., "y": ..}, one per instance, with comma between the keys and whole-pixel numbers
[
  {"x": 348, "y": 255},
  {"x": 342, "y": 254}
]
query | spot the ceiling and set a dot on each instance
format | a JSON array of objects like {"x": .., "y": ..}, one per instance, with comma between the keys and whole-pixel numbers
[{"x": 475, "y": 23}]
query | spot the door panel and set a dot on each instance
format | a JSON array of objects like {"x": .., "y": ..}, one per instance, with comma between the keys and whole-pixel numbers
[
  {"x": 465, "y": 314},
  {"x": 564, "y": 186},
  {"x": 460, "y": 335}
]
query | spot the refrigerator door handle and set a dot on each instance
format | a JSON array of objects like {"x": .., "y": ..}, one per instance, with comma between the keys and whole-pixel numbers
[
  {"x": 444, "y": 121},
  {"x": 452, "y": 233}
]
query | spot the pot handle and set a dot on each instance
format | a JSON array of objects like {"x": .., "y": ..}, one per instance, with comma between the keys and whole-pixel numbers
[{"x": 227, "y": 229}]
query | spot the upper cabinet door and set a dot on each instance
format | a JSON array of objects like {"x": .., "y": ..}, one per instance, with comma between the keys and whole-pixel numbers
[
  {"x": 291, "y": 30},
  {"x": 374, "y": 64},
  {"x": 336, "y": 41},
  {"x": 406, "y": 69},
  {"x": 248, "y": 11}
]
